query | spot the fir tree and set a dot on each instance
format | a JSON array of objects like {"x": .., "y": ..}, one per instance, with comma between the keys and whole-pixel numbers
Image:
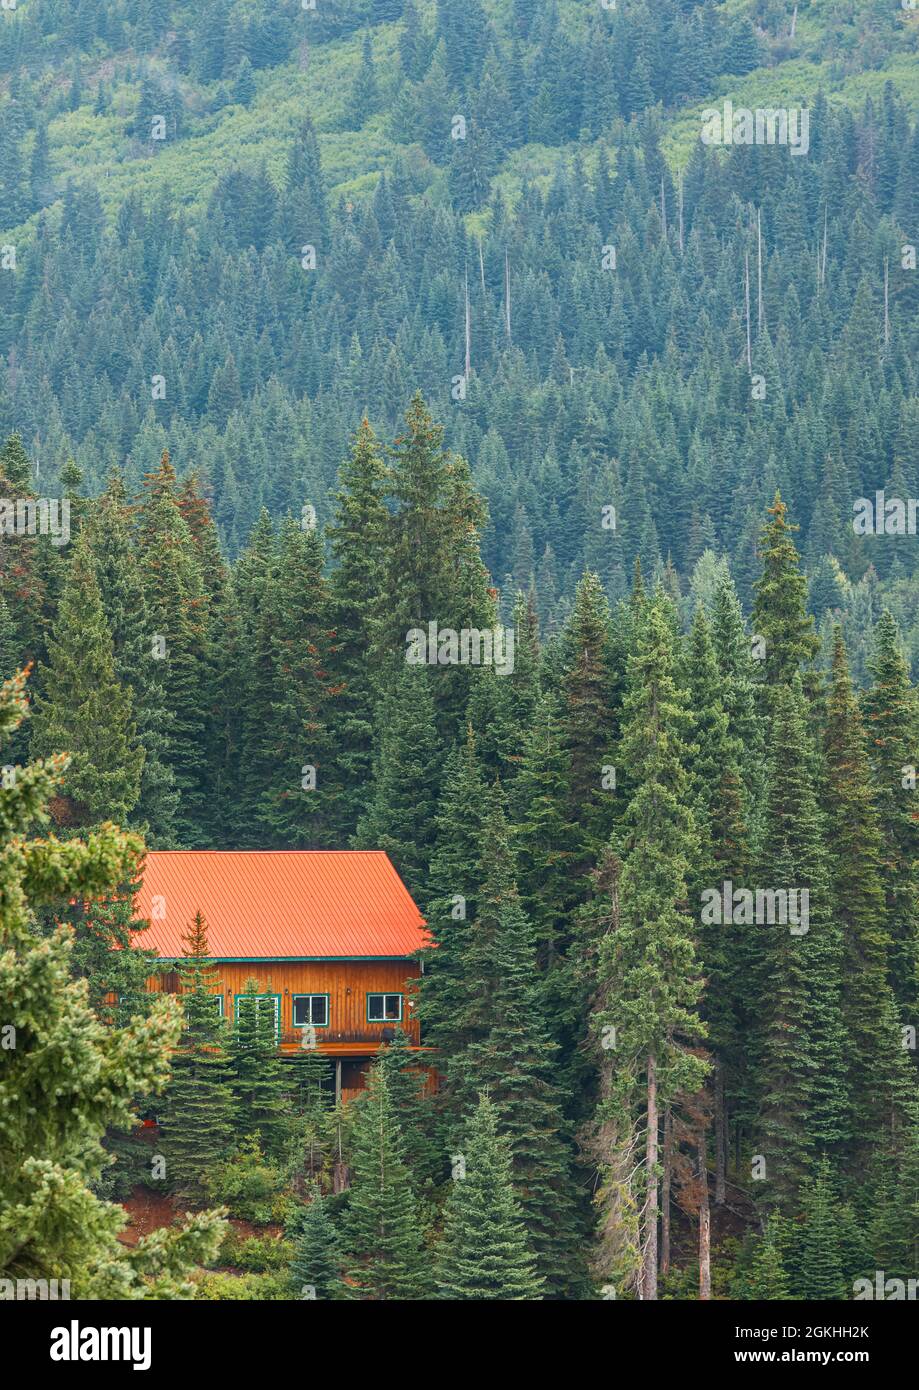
[
  {"x": 382, "y": 1233},
  {"x": 800, "y": 1050},
  {"x": 510, "y": 1053},
  {"x": 649, "y": 988},
  {"x": 820, "y": 1273},
  {"x": 779, "y": 613},
  {"x": 84, "y": 709},
  {"x": 587, "y": 717},
  {"x": 177, "y": 606},
  {"x": 197, "y": 1123},
  {"x": 892, "y": 730},
  {"x": 358, "y": 539},
  {"x": 136, "y": 666},
  {"x": 767, "y": 1280},
  {"x": 258, "y": 1080},
  {"x": 485, "y": 1253},
  {"x": 401, "y": 816},
  {"x": 69, "y": 1076},
  {"x": 878, "y": 1079},
  {"x": 315, "y": 1268}
]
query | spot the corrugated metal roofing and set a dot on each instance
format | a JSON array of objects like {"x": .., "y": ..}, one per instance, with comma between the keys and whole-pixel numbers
[{"x": 279, "y": 904}]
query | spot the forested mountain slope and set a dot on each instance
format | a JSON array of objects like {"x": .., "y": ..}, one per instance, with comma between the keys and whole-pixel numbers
[{"x": 164, "y": 165}]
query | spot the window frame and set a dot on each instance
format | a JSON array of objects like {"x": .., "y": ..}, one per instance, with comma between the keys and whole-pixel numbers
[
  {"x": 384, "y": 994},
  {"x": 313, "y": 994}
]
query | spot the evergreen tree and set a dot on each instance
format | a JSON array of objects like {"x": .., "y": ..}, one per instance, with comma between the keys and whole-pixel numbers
[
  {"x": 358, "y": 539},
  {"x": 820, "y": 1273},
  {"x": 315, "y": 1268},
  {"x": 261, "y": 1105},
  {"x": 197, "y": 1121},
  {"x": 136, "y": 666},
  {"x": 801, "y": 1046},
  {"x": 382, "y": 1233},
  {"x": 878, "y": 1079},
  {"x": 177, "y": 606},
  {"x": 69, "y": 1076},
  {"x": 451, "y": 905},
  {"x": 767, "y": 1280},
  {"x": 649, "y": 988},
  {"x": 588, "y": 728},
  {"x": 84, "y": 710},
  {"x": 401, "y": 816},
  {"x": 779, "y": 613},
  {"x": 510, "y": 1053},
  {"x": 484, "y": 1253},
  {"x": 892, "y": 729}
]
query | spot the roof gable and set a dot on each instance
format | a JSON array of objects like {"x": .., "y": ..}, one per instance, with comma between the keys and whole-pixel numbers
[{"x": 279, "y": 904}]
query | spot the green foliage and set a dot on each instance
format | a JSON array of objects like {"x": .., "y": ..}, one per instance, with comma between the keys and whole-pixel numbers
[
  {"x": 68, "y": 1076},
  {"x": 485, "y": 1253}
]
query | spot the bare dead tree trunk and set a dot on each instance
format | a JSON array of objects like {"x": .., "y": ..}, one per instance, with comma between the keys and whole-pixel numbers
[
  {"x": 721, "y": 1136},
  {"x": 746, "y": 290},
  {"x": 468, "y": 362},
  {"x": 705, "y": 1225},
  {"x": 649, "y": 1270},
  {"x": 665, "y": 1193},
  {"x": 759, "y": 272},
  {"x": 681, "y": 212},
  {"x": 794, "y": 22}
]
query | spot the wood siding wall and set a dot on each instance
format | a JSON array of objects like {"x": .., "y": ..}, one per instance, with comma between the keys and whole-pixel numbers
[{"x": 347, "y": 983}]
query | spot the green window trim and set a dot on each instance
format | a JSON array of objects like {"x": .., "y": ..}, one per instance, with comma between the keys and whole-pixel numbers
[
  {"x": 277, "y": 1007},
  {"x": 315, "y": 995},
  {"x": 384, "y": 995}
]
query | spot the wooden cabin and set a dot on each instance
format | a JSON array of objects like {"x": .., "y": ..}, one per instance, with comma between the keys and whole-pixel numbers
[{"x": 332, "y": 936}]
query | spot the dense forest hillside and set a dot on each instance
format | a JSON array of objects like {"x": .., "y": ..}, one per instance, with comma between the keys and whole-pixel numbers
[
  {"x": 340, "y": 341},
  {"x": 165, "y": 165}
]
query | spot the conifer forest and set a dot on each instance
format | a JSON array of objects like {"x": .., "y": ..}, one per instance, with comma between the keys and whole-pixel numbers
[{"x": 463, "y": 454}]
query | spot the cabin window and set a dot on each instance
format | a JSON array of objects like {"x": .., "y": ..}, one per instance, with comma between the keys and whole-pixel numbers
[
  {"x": 384, "y": 1008},
  {"x": 311, "y": 1010},
  {"x": 218, "y": 1001},
  {"x": 261, "y": 1001}
]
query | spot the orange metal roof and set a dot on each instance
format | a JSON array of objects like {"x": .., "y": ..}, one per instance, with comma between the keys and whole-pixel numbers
[{"x": 280, "y": 904}]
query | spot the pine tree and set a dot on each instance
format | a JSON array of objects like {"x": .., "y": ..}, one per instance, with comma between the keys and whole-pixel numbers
[
  {"x": 136, "y": 666},
  {"x": 723, "y": 857},
  {"x": 801, "y": 1044},
  {"x": 69, "y": 1076},
  {"x": 358, "y": 540},
  {"x": 892, "y": 729},
  {"x": 197, "y": 1123},
  {"x": 84, "y": 710},
  {"x": 878, "y": 1077},
  {"x": 451, "y": 904},
  {"x": 509, "y": 1053},
  {"x": 401, "y": 816},
  {"x": 258, "y": 1080},
  {"x": 382, "y": 1235},
  {"x": 315, "y": 1268},
  {"x": 820, "y": 1274},
  {"x": 293, "y": 761},
  {"x": 177, "y": 605},
  {"x": 588, "y": 728},
  {"x": 648, "y": 985},
  {"x": 485, "y": 1253},
  {"x": 767, "y": 1280},
  {"x": 779, "y": 613},
  {"x": 434, "y": 570}
]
